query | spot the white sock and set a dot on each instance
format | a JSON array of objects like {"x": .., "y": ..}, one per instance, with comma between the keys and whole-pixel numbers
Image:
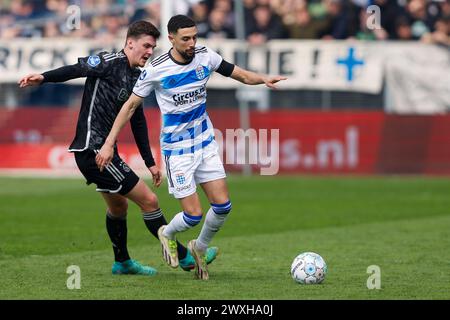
[
  {"x": 181, "y": 222},
  {"x": 213, "y": 222}
]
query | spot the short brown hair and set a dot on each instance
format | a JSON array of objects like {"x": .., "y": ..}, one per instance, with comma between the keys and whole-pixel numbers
[{"x": 139, "y": 28}]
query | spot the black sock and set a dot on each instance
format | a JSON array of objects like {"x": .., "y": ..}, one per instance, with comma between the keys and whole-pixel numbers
[
  {"x": 117, "y": 231},
  {"x": 154, "y": 220}
]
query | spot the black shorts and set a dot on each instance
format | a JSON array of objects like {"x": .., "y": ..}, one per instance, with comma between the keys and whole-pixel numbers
[{"x": 117, "y": 177}]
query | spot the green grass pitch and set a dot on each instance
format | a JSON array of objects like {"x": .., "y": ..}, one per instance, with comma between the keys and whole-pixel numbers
[{"x": 401, "y": 224}]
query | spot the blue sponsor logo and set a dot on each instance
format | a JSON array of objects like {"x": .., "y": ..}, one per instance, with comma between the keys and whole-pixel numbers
[
  {"x": 143, "y": 75},
  {"x": 94, "y": 61}
]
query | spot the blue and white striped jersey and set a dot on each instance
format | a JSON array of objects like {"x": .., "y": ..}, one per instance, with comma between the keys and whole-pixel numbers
[{"x": 181, "y": 95}]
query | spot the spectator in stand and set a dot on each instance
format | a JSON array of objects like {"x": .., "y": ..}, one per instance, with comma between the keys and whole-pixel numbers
[
  {"x": 403, "y": 29},
  {"x": 21, "y": 12},
  {"x": 441, "y": 34},
  {"x": 444, "y": 8},
  {"x": 7, "y": 29},
  {"x": 420, "y": 21},
  {"x": 267, "y": 26},
  {"x": 264, "y": 3},
  {"x": 342, "y": 20},
  {"x": 85, "y": 31},
  {"x": 264, "y": 19},
  {"x": 304, "y": 26},
  {"x": 182, "y": 6},
  {"x": 390, "y": 12},
  {"x": 364, "y": 33},
  {"x": 112, "y": 27},
  {"x": 217, "y": 26},
  {"x": 227, "y": 7},
  {"x": 56, "y": 14},
  {"x": 51, "y": 30},
  {"x": 199, "y": 12},
  {"x": 249, "y": 7},
  {"x": 150, "y": 12},
  {"x": 286, "y": 9},
  {"x": 57, "y": 7}
]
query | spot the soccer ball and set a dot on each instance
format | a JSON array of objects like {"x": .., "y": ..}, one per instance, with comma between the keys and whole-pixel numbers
[{"x": 308, "y": 268}]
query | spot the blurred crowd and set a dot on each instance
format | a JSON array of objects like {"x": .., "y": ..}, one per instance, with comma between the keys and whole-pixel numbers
[{"x": 424, "y": 20}]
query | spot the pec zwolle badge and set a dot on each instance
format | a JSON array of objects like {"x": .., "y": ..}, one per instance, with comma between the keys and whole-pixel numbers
[
  {"x": 180, "y": 178},
  {"x": 200, "y": 72}
]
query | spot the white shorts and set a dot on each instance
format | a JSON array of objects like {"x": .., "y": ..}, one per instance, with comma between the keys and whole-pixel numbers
[{"x": 185, "y": 171}]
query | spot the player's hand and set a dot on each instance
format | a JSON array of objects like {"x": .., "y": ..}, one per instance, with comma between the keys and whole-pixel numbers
[
  {"x": 31, "y": 80},
  {"x": 104, "y": 156},
  {"x": 270, "y": 81},
  {"x": 156, "y": 174}
]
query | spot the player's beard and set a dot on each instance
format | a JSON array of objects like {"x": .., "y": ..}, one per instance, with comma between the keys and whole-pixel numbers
[{"x": 186, "y": 56}]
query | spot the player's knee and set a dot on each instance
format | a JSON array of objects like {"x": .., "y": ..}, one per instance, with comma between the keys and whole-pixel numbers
[
  {"x": 119, "y": 208},
  {"x": 193, "y": 209},
  {"x": 118, "y": 211},
  {"x": 150, "y": 203},
  {"x": 222, "y": 208},
  {"x": 192, "y": 220}
]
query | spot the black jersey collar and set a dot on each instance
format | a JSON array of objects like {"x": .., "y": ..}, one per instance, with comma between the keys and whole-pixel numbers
[{"x": 177, "y": 62}]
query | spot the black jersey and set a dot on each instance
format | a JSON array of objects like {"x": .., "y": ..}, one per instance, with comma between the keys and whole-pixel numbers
[{"x": 110, "y": 81}]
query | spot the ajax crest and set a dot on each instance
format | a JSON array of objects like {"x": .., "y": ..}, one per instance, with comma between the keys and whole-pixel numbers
[{"x": 125, "y": 167}]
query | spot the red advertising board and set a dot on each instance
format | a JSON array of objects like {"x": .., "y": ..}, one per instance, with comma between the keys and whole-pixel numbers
[{"x": 285, "y": 141}]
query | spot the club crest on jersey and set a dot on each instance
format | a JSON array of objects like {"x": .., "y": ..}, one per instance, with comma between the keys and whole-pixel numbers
[
  {"x": 94, "y": 61},
  {"x": 200, "y": 72}
]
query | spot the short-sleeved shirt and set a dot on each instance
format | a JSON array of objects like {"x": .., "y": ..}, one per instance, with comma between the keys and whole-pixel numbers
[{"x": 180, "y": 91}]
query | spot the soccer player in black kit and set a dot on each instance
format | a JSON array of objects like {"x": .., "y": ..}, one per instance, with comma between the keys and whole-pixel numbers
[{"x": 110, "y": 80}]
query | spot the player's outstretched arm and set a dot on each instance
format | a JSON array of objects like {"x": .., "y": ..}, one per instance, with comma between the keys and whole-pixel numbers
[
  {"x": 31, "y": 80},
  {"x": 252, "y": 78},
  {"x": 61, "y": 74},
  {"x": 106, "y": 153}
]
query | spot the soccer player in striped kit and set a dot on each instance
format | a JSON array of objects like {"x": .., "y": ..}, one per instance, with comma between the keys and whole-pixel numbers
[{"x": 191, "y": 155}]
